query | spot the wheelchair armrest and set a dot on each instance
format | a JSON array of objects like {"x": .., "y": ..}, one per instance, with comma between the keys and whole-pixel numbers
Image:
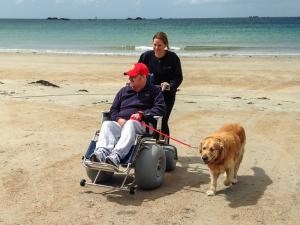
[
  {"x": 158, "y": 122},
  {"x": 105, "y": 115}
]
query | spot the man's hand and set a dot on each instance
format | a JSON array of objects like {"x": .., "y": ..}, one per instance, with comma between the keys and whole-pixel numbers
[
  {"x": 121, "y": 122},
  {"x": 165, "y": 86},
  {"x": 136, "y": 116}
]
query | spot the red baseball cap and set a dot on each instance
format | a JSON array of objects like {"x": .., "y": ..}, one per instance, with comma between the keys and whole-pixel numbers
[{"x": 138, "y": 69}]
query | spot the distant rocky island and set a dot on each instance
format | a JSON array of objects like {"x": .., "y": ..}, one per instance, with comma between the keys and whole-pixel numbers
[
  {"x": 141, "y": 18},
  {"x": 137, "y": 18},
  {"x": 57, "y": 18}
]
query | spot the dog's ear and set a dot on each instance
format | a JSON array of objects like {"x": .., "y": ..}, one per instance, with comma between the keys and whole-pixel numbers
[
  {"x": 202, "y": 143},
  {"x": 200, "y": 147}
]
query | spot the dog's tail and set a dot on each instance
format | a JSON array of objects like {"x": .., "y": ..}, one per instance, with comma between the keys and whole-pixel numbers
[{"x": 242, "y": 134}]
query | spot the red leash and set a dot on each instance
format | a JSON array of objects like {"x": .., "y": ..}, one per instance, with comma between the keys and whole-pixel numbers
[{"x": 157, "y": 131}]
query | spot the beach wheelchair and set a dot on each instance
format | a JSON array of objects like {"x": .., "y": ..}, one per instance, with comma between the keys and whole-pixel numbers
[{"x": 149, "y": 158}]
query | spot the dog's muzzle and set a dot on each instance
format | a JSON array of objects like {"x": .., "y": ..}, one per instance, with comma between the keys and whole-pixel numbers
[{"x": 205, "y": 159}]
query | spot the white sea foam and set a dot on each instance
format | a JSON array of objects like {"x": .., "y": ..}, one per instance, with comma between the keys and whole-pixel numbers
[
  {"x": 174, "y": 48},
  {"x": 143, "y": 48},
  {"x": 137, "y": 53},
  {"x": 147, "y": 48}
]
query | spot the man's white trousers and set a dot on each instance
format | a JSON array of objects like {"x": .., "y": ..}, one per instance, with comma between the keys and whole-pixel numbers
[{"x": 116, "y": 139}]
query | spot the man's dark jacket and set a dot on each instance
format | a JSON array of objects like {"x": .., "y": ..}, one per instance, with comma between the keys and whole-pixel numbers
[{"x": 149, "y": 100}]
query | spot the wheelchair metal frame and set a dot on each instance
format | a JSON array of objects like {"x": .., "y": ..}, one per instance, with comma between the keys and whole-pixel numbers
[{"x": 140, "y": 139}]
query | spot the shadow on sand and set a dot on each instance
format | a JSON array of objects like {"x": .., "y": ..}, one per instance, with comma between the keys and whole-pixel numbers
[
  {"x": 189, "y": 176},
  {"x": 248, "y": 190}
]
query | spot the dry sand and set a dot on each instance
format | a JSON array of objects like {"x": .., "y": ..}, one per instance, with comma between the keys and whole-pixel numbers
[{"x": 46, "y": 130}]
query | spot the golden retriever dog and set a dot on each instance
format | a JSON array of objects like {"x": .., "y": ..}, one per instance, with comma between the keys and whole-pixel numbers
[{"x": 223, "y": 152}]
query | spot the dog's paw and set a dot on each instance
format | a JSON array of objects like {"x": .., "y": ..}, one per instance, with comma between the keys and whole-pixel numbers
[
  {"x": 210, "y": 193},
  {"x": 234, "y": 181},
  {"x": 227, "y": 182}
]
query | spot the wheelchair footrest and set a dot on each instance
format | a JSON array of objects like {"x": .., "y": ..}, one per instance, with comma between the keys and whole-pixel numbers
[{"x": 102, "y": 166}]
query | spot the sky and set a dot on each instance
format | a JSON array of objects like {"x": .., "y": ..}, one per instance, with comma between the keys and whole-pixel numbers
[{"x": 121, "y": 9}]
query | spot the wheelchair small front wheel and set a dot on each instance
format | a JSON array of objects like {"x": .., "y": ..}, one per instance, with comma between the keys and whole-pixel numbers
[
  {"x": 82, "y": 182},
  {"x": 132, "y": 190}
]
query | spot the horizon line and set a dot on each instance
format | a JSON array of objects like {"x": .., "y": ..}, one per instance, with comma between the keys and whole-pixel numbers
[{"x": 154, "y": 18}]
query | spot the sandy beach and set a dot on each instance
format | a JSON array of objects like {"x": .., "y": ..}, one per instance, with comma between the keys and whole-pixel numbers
[{"x": 46, "y": 130}]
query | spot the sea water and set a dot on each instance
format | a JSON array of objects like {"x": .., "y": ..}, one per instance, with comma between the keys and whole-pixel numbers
[{"x": 187, "y": 37}]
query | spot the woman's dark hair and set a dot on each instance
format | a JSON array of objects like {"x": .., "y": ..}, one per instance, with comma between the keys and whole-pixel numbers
[{"x": 162, "y": 36}]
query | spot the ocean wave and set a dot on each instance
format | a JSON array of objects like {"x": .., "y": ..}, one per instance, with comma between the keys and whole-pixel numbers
[
  {"x": 143, "y": 48},
  {"x": 210, "y": 48},
  {"x": 121, "y": 47},
  {"x": 223, "y": 53},
  {"x": 147, "y": 48},
  {"x": 68, "y": 52}
]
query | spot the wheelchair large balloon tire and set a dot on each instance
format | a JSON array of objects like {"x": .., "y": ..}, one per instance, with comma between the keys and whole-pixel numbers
[
  {"x": 170, "y": 152},
  {"x": 150, "y": 166}
]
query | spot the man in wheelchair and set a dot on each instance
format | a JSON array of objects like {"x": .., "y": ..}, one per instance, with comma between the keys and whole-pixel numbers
[{"x": 137, "y": 100}]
